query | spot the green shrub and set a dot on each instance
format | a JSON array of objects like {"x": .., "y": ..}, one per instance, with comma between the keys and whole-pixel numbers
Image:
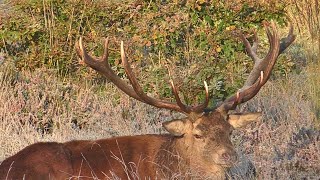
[{"x": 193, "y": 39}]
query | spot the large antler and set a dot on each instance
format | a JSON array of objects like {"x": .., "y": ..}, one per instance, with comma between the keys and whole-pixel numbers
[
  {"x": 262, "y": 67},
  {"x": 102, "y": 66}
]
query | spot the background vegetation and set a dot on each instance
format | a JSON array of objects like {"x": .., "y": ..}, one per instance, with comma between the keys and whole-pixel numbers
[
  {"x": 196, "y": 40},
  {"x": 47, "y": 95}
]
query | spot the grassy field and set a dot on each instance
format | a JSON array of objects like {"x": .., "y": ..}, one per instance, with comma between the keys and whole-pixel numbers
[
  {"x": 42, "y": 106},
  {"x": 284, "y": 145}
]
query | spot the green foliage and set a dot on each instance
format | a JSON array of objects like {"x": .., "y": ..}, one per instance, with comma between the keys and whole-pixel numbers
[{"x": 194, "y": 39}]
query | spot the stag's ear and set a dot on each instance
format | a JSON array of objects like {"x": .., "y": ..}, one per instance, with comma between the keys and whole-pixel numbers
[
  {"x": 241, "y": 120},
  {"x": 177, "y": 127}
]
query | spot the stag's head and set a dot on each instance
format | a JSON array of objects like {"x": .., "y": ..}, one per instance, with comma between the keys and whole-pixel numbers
[
  {"x": 207, "y": 137},
  {"x": 203, "y": 134}
]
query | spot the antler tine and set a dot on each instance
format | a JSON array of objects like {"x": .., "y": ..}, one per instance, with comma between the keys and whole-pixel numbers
[
  {"x": 205, "y": 104},
  {"x": 251, "y": 50},
  {"x": 129, "y": 73},
  {"x": 285, "y": 42},
  {"x": 184, "y": 107},
  {"x": 145, "y": 98},
  {"x": 197, "y": 109},
  {"x": 102, "y": 66},
  {"x": 241, "y": 96},
  {"x": 91, "y": 61},
  {"x": 259, "y": 64},
  {"x": 137, "y": 88},
  {"x": 255, "y": 80},
  {"x": 106, "y": 52},
  {"x": 255, "y": 42}
]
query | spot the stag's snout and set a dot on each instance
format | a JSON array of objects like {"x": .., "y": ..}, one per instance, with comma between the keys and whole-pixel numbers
[
  {"x": 229, "y": 158},
  {"x": 226, "y": 157}
]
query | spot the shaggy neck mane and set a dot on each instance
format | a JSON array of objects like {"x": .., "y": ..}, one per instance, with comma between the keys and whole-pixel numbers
[
  {"x": 167, "y": 158},
  {"x": 169, "y": 161}
]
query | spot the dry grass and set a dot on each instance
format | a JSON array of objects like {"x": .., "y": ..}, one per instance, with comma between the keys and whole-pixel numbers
[
  {"x": 285, "y": 145},
  {"x": 39, "y": 106}
]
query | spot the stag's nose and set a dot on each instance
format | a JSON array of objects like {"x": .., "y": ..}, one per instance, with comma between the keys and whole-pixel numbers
[{"x": 229, "y": 157}]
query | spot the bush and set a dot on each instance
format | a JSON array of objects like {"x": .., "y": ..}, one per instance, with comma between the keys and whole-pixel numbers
[{"x": 193, "y": 39}]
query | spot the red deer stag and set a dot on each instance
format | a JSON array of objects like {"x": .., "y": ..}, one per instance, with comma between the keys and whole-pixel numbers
[{"x": 199, "y": 142}]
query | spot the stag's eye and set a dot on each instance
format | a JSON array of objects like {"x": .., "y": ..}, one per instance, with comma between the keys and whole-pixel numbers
[
  {"x": 197, "y": 136},
  {"x": 231, "y": 131}
]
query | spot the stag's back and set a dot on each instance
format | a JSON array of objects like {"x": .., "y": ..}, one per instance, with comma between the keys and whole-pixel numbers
[
  {"x": 121, "y": 157},
  {"x": 38, "y": 161}
]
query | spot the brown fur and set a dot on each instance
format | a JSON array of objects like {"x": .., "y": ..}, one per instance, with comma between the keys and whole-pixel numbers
[
  {"x": 143, "y": 156},
  {"x": 130, "y": 156},
  {"x": 38, "y": 161}
]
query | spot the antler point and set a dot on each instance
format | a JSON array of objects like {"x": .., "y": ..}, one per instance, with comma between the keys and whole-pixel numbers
[
  {"x": 206, "y": 87},
  {"x": 122, "y": 50},
  {"x": 261, "y": 75},
  {"x": 80, "y": 44},
  {"x": 171, "y": 82}
]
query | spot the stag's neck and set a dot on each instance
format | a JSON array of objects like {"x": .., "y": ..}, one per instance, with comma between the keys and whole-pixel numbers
[
  {"x": 168, "y": 159},
  {"x": 181, "y": 160}
]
